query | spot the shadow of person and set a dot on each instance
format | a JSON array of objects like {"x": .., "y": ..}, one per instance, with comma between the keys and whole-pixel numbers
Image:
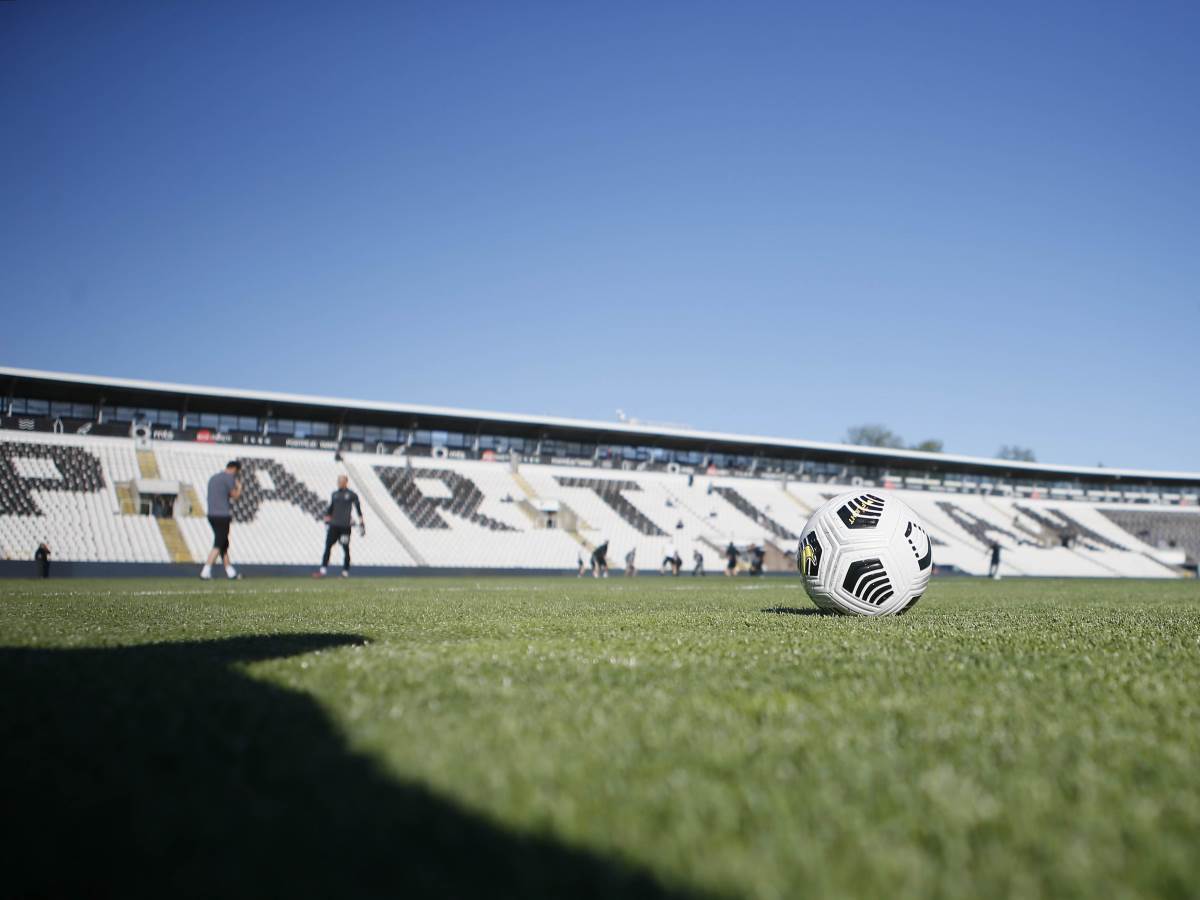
[{"x": 164, "y": 770}]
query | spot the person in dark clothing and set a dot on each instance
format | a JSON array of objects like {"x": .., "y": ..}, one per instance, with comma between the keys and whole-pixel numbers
[
  {"x": 223, "y": 489},
  {"x": 42, "y": 555},
  {"x": 994, "y": 568},
  {"x": 731, "y": 559},
  {"x": 339, "y": 519},
  {"x": 757, "y": 554},
  {"x": 697, "y": 563},
  {"x": 600, "y": 561},
  {"x": 671, "y": 561}
]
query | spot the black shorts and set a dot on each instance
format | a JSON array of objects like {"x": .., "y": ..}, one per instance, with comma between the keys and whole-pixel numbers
[
  {"x": 337, "y": 534},
  {"x": 220, "y": 527}
]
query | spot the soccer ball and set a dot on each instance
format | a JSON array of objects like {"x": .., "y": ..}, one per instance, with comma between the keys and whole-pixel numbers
[{"x": 865, "y": 554}]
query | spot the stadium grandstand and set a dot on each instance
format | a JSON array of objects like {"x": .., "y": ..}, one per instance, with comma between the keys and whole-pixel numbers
[{"x": 110, "y": 474}]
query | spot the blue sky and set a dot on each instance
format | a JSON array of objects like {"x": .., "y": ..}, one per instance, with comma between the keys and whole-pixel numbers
[{"x": 974, "y": 222}]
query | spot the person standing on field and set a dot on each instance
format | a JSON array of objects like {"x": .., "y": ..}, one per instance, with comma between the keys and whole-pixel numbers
[
  {"x": 339, "y": 520},
  {"x": 731, "y": 559},
  {"x": 994, "y": 567},
  {"x": 223, "y": 489},
  {"x": 42, "y": 555}
]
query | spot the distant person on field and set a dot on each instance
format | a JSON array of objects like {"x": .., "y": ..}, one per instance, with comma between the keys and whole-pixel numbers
[
  {"x": 757, "y": 555},
  {"x": 631, "y": 563},
  {"x": 580, "y": 564},
  {"x": 600, "y": 561},
  {"x": 668, "y": 563},
  {"x": 42, "y": 555},
  {"x": 697, "y": 563},
  {"x": 223, "y": 489},
  {"x": 994, "y": 568},
  {"x": 339, "y": 519},
  {"x": 731, "y": 559}
]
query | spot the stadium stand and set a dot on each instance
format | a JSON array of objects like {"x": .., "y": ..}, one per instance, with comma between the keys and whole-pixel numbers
[
  {"x": 67, "y": 490},
  {"x": 64, "y": 492},
  {"x": 756, "y": 515},
  {"x": 113, "y": 470},
  {"x": 611, "y": 492},
  {"x": 1160, "y": 529},
  {"x": 454, "y": 514},
  {"x": 1066, "y": 529},
  {"x": 422, "y": 506},
  {"x": 278, "y": 520}
]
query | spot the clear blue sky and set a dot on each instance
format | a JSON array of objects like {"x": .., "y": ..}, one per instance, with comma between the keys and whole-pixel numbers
[{"x": 976, "y": 222}]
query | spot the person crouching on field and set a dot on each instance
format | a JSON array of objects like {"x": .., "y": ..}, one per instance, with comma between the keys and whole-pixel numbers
[
  {"x": 338, "y": 520},
  {"x": 600, "y": 561}
]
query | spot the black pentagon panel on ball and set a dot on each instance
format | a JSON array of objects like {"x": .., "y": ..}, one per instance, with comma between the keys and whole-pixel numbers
[
  {"x": 809, "y": 558},
  {"x": 861, "y": 512},
  {"x": 867, "y": 581},
  {"x": 924, "y": 561}
]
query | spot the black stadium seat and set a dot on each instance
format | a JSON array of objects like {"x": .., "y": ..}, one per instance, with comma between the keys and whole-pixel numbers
[
  {"x": 81, "y": 472},
  {"x": 425, "y": 512}
]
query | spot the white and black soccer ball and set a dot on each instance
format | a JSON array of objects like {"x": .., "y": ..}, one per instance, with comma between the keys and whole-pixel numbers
[{"x": 865, "y": 554}]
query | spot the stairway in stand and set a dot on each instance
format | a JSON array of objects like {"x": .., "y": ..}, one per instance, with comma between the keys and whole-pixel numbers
[
  {"x": 192, "y": 500},
  {"x": 148, "y": 464},
  {"x": 125, "y": 498},
  {"x": 172, "y": 537},
  {"x": 527, "y": 507},
  {"x": 173, "y": 540}
]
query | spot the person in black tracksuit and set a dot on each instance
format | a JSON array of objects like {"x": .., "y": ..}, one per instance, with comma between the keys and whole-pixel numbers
[
  {"x": 42, "y": 555},
  {"x": 731, "y": 559},
  {"x": 338, "y": 518},
  {"x": 994, "y": 568}
]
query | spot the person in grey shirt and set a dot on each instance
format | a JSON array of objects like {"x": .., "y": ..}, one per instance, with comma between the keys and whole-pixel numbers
[{"x": 223, "y": 489}]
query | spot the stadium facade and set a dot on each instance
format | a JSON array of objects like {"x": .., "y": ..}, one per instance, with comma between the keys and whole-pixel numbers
[{"x": 112, "y": 471}]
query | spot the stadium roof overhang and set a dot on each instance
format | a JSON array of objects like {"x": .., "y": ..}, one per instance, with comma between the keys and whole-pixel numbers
[{"x": 134, "y": 392}]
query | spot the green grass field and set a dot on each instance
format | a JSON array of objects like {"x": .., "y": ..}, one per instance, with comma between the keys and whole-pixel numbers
[{"x": 654, "y": 737}]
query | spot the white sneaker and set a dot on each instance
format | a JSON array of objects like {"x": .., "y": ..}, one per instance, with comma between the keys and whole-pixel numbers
[
  {"x": 232, "y": 574},
  {"x": 345, "y": 574},
  {"x": 206, "y": 574}
]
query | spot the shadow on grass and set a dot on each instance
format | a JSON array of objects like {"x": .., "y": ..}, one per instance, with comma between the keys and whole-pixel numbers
[
  {"x": 794, "y": 611},
  {"x": 164, "y": 770}
]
